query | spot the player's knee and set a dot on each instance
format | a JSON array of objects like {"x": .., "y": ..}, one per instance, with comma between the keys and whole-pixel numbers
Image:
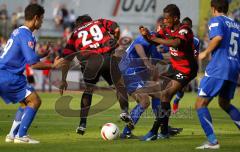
[
  {"x": 145, "y": 103},
  {"x": 89, "y": 90},
  {"x": 200, "y": 103},
  {"x": 33, "y": 101}
]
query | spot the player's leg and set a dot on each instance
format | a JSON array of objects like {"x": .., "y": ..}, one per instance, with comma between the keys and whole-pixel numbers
[
  {"x": 178, "y": 97},
  {"x": 162, "y": 118},
  {"x": 121, "y": 91},
  {"x": 208, "y": 89},
  {"x": 33, "y": 103},
  {"x": 16, "y": 123},
  {"x": 86, "y": 102},
  {"x": 91, "y": 73},
  {"x": 224, "y": 101},
  {"x": 136, "y": 112}
]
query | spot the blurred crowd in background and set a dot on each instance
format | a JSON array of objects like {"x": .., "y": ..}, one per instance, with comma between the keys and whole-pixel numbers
[{"x": 63, "y": 19}]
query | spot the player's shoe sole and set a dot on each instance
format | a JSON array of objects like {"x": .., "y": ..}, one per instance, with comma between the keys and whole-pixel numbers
[
  {"x": 208, "y": 145},
  {"x": 25, "y": 140},
  {"x": 9, "y": 139}
]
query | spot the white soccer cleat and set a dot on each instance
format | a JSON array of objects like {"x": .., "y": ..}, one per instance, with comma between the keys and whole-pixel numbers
[
  {"x": 208, "y": 145},
  {"x": 9, "y": 139},
  {"x": 25, "y": 140}
]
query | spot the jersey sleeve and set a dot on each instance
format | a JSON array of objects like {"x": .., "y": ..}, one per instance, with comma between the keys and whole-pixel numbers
[
  {"x": 215, "y": 28},
  {"x": 182, "y": 34},
  {"x": 70, "y": 46},
  {"x": 109, "y": 25},
  {"x": 155, "y": 54},
  {"x": 27, "y": 44},
  {"x": 140, "y": 40}
]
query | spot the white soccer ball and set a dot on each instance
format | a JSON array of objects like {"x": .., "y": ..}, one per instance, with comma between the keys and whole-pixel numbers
[{"x": 109, "y": 131}]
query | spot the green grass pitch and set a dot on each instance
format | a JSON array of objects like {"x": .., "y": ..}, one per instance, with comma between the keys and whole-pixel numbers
[{"x": 57, "y": 133}]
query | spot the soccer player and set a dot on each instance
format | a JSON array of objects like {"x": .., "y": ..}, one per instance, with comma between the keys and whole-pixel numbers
[
  {"x": 137, "y": 69},
  {"x": 18, "y": 52},
  {"x": 221, "y": 72},
  {"x": 183, "y": 64},
  {"x": 196, "y": 42},
  {"x": 93, "y": 43}
]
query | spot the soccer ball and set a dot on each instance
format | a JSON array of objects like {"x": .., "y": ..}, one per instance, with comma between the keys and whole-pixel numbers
[{"x": 109, "y": 131}]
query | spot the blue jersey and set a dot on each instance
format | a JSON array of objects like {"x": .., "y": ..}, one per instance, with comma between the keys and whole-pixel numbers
[
  {"x": 196, "y": 43},
  {"x": 19, "y": 51},
  {"x": 225, "y": 58},
  {"x": 132, "y": 59},
  {"x": 134, "y": 72}
]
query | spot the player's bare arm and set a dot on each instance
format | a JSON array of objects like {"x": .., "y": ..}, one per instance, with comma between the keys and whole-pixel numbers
[
  {"x": 44, "y": 66},
  {"x": 212, "y": 45}
]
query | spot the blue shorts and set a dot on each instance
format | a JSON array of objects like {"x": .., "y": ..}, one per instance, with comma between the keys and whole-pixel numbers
[
  {"x": 13, "y": 87},
  {"x": 135, "y": 78},
  {"x": 210, "y": 87}
]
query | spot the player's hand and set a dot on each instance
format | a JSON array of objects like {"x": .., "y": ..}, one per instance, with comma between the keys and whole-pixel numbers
[
  {"x": 152, "y": 68},
  {"x": 63, "y": 86},
  {"x": 58, "y": 62},
  {"x": 45, "y": 51},
  {"x": 202, "y": 55},
  {"x": 144, "y": 32}
]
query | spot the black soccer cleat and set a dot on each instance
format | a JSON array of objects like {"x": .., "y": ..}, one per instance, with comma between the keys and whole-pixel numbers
[
  {"x": 127, "y": 119},
  {"x": 81, "y": 129},
  {"x": 174, "y": 131}
]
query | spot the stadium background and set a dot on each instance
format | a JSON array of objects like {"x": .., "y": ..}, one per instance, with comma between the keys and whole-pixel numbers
[
  {"x": 56, "y": 132},
  {"x": 60, "y": 15}
]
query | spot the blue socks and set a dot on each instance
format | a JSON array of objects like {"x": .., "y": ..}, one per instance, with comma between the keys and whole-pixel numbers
[
  {"x": 206, "y": 123},
  {"x": 17, "y": 121},
  {"x": 27, "y": 118},
  {"x": 135, "y": 115},
  {"x": 155, "y": 105},
  {"x": 234, "y": 114},
  {"x": 179, "y": 96}
]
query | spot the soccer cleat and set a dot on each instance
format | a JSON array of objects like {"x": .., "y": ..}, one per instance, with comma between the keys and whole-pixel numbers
[
  {"x": 127, "y": 119},
  {"x": 25, "y": 140},
  {"x": 162, "y": 136},
  {"x": 126, "y": 136},
  {"x": 81, "y": 129},
  {"x": 174, "y": 131},
  {"x": 9, "y": 138},
  {"x": 208, "y": 145},
  {"x": 149, "y": 136},
  {"x": 175, "y": 108}
]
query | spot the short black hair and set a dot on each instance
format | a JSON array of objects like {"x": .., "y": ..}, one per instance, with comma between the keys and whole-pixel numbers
[
  {"x": 82, "y": 19},
  {"x": 188, "y": 20},
  {"x": 220, "y": 5},
  {"x": 173, "y": 10},
  {"x": 32, "y": 10}
]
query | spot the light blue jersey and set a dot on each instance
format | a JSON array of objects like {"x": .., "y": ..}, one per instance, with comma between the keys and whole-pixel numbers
[
  {"x": 19, "y": 51},
  {"x": 225, "y": 58}
]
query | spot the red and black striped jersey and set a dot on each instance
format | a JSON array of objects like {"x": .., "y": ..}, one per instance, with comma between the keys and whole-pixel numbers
[
  {"x": 92, "y": 37},
  {"x": 182, "y": 57}
]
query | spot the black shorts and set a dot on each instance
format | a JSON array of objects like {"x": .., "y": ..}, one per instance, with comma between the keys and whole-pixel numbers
[
  {"x": 97, "y": 65},
  {"x": 180, "y": 77},
  {"x": 31, "y": 79}
]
